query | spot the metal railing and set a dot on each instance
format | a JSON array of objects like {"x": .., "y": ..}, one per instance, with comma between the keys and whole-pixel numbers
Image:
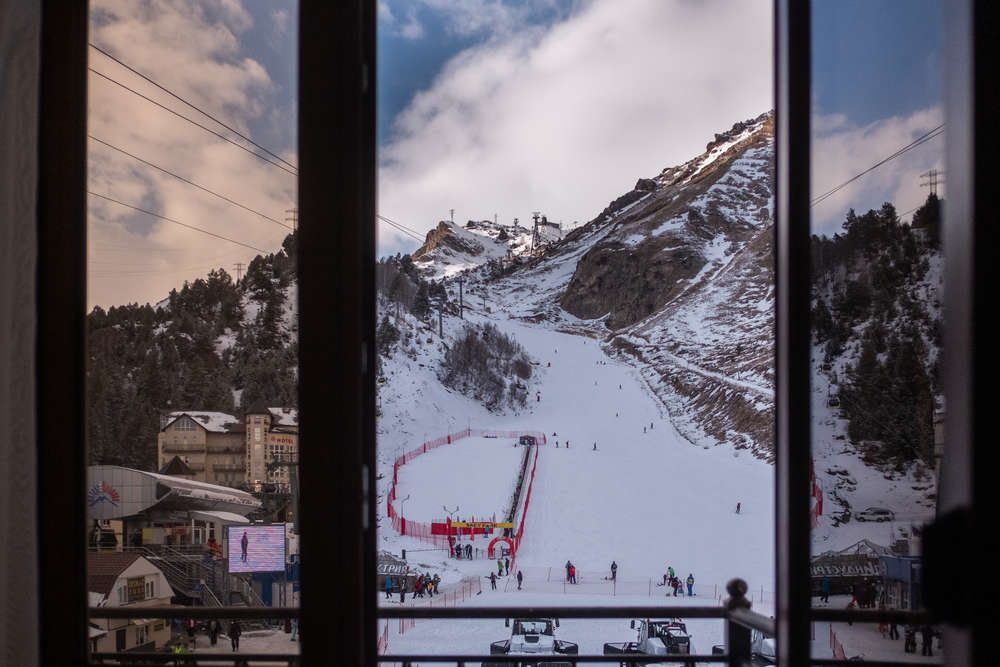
[{"x": 739, "y": 620}]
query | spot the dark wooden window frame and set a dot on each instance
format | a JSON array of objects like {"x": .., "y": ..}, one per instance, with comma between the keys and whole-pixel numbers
[{"x": 337, "y": 191}]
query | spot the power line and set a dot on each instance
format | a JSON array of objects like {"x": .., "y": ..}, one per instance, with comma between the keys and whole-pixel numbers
[
  {"x": 399, "y": 224},
  {"x": 177, "y": 222},
  {"x": 194, "y": 122},
  {"x": 399, "y": 227},
  {"x": 192, "y": 183},
  {"x": 910, "y": 146},
  {"x": 198, "y": 109}
]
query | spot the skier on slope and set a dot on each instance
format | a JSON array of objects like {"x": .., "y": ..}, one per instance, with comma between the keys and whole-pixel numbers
[
  {"x": 690, "y": 584},
  {"x": 520, "y": 577},
  {"x": 499, "y": 567},
  {"x": 568, "y": 566},
  {"x": 738, "y": 508},
  {"x": 614, "y": 570}
]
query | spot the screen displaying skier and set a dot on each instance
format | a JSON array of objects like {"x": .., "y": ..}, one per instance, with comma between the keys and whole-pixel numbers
[{"x": 256, "y": 548}]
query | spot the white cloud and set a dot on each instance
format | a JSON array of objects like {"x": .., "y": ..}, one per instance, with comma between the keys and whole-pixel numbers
[
  {"x": 841, "y": 150},
  {"x": 412, "y": 29},
  {"x": 194, "y": 49},
  {"x": 564, "y": 119}
]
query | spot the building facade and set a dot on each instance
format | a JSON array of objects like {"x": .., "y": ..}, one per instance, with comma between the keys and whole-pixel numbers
[
  {"x": 209, "y": 443},
  {"x": 126, "y": 580},
  {"x": 272, "y": 448}
]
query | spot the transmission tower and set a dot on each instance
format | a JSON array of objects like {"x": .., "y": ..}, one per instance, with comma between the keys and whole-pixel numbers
[
  {"x": 534, "y": 230},
  {"x": 239, "y": 270},
  {"x": 933, "y": 178}
]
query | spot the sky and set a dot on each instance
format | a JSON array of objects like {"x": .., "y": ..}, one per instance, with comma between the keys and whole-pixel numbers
[{"x": 487, "y": 107}]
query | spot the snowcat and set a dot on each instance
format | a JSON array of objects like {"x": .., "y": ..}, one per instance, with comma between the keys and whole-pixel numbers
[
  {"x": 667, "y": 638},
  {"x": 531, "y": 636}
]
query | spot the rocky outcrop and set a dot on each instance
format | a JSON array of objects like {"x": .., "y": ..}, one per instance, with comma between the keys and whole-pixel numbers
[
  {"x": 686, "y": 217},
  {"x": 443, "y": 236}
]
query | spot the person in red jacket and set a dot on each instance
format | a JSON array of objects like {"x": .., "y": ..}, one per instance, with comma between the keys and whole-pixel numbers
[{"x": 572, "y": 574}]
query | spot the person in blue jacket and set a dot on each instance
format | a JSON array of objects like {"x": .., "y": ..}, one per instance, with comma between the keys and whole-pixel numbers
[
  {"x": 690, "y": 584},
  {"x": 388, "y": 587}
]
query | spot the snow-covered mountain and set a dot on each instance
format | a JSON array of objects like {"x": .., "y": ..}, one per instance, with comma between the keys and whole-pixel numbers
[{"x": 449, "y": 249}]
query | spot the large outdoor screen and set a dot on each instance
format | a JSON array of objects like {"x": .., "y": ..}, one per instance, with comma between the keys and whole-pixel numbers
[{"x": 256, "y": 548}]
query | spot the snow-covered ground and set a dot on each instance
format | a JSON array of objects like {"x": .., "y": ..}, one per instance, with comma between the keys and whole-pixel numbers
[
  {"x": 646, "y": 500},
  {"x": 476, "y": 475}
]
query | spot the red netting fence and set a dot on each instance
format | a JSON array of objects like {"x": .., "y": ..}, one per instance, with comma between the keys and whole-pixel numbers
[{"x": 422, "y": 530}]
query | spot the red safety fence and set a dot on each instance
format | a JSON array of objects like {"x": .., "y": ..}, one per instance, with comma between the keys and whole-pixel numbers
[
  {"x": 422, "y": 530},
  {"x": 524, "y": 510},
  {"x": 836, "y": 646}
]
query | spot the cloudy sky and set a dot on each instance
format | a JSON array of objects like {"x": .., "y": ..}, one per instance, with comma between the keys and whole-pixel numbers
[{"x": 486, "y": 107}]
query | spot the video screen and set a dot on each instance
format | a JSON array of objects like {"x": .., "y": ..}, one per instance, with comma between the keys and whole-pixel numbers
[{"x": 256, "y": 548}]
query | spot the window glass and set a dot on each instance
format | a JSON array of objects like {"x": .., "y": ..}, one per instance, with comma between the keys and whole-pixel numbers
[
  {"x": 877, "y": 191},
  {"x": 574, "y": 312},
  {"x": 192, "y": 289}
]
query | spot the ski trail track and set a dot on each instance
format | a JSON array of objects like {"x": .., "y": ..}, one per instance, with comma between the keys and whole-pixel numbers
[{"x": 645, "y": 500}]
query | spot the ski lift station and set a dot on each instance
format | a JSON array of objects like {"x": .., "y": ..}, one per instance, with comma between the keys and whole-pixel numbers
[{"x": 156, "y": 509}]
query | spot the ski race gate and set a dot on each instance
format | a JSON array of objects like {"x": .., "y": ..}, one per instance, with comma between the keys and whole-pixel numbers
[{"x": 442, "y": 534}]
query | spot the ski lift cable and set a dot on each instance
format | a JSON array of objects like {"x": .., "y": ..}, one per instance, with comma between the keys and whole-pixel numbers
[
  {"x": 931, "y": 134},
  {"x": 184, "y": 101},
  {"x": 399, "y": 227},
  {"x": 192, "y": 183},
  {"x": 195, "y": 123},
  {"x": 398, "y": 224},
  {"x": 177, "y": 222}
]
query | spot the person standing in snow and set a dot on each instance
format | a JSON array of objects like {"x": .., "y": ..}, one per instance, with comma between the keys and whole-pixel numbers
[
  {"x": 643, "y": 429},
  {"x": 493, "y": 580},
  {"x": 595, "y": 445},
  {"x": 650, "y": 426},
  {"x": 468, "y": 551},
  {"x": 436, "y": 580},
  {"x": 520, "y": 577},
  {"x": 388, "y": 587},
  {"x": 690, "y": 584},
  {"x": 614, "y": 570},
  {"x": 506, "y": 565},
  {"x": 738, "y": 507},
  {"x": 670, "y": 571},
  {"x": 568, "y": 566},
  {"x": 676, "y": 583},
  {"x": 824, "y": 590},
  {"x": 499, "y": 567},
  {"x": 234, "y": 634},
  {"x": 572, "y": 574}
]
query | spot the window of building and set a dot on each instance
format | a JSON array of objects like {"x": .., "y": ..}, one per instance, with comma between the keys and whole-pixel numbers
[
  {"x": 184, "y": 424},
  {"x": 150, "y": 588},
  {"x": 786, "y": 529}
]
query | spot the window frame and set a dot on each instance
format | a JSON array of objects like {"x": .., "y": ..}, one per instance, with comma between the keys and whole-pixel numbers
[{"x": 337, "y": 142}]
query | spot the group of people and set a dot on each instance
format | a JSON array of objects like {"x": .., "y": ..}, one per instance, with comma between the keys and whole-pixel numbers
[
  {"x": 424, "y": 584},
  {"x": 213, "y": 628},
  {"x": 502, "y": 567},
  {"x": 671, "y": 580},
  {"x": 570, "y": 572},
  {"x": 462, "y": 551}
]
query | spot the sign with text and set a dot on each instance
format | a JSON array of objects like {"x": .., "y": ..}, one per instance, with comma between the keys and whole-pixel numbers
[
  {"x": 256, "y": 548},
  {"x": 136, "y": 589}
]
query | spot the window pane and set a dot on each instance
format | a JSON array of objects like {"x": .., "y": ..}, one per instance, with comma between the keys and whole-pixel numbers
[
  {"x": 877, "y": 405},
  {"x": 193, "y": 323},
  {"x": 575, "y": 310}
]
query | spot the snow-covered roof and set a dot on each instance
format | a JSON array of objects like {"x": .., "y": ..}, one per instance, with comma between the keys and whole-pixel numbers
[
  {"x": 284, "y": 416},
  {"x": 227, "y": 517},
  {"x": 215, "y": 422}
]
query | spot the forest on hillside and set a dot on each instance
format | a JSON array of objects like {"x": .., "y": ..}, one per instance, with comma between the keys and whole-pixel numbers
[
  {"x": 215, "y": 344},
  {"x": 876, "y": 308}
]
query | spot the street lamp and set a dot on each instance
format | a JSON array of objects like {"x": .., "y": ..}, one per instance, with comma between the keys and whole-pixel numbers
[{"x": 401, "y": 505}]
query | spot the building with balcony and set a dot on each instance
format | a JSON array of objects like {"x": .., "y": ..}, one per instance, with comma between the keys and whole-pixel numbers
[
  {"x": 210, "y": 444},
  {"x": 272, "y": 448}
]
